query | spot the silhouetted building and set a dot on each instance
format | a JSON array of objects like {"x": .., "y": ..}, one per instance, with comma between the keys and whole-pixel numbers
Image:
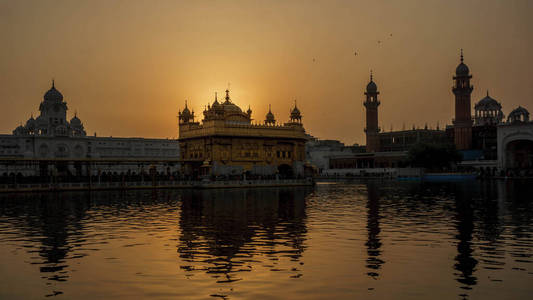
[
  {"x": 372, "y": 127},
  {"x": 393, "y": 141},
  {"x": 486, "y": 139},
  {"x": 463, "y": 118}
]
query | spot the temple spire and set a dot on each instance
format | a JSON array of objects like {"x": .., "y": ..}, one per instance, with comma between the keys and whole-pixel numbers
[
  {"x": 53, "y": 83},
  {"x": 227, "y": 95},
  {"x": 461, "y": 55}
]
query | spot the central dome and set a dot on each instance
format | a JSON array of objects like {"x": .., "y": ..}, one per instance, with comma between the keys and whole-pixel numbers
[
  {"x": 53, "y": 95},
  {"x": 230, "y": 107}
]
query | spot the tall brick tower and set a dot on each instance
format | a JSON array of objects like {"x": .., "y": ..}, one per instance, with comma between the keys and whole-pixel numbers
[
  {"x": 462, "y": 124},
  {"x": 372, "y": 128}
]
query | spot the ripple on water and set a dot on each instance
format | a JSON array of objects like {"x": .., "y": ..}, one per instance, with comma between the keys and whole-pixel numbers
[{"x": 357, "y": 239}]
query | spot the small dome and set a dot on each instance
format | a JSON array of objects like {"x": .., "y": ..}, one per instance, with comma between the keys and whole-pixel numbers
[
  {"x": 30, "y": 124},
  {"x": 20, "y": 130},
  {"x": 41, "y": 121},
  {"x": 269, "y": 118},
  {"x": 295, "y": 111},
  {"x": 462, "y": 69},
  {"x": 518, "y": 114},
  {"x": 519, "y": 110},
  {"x": 488, "y": 103},
  {"x": 186, "y": 115},
  {"x": 53, "y": 95},
  {"x": 371, "y": 87},
  {"x": 216, "y": 104},
  {"x": 75, "y": 121}
]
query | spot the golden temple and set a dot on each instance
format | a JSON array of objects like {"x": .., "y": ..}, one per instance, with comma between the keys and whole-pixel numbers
[{"x": 227, "y": 143}]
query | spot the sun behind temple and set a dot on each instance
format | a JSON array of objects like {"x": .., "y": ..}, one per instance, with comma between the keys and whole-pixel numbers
[{"x": 228, "y": 143}]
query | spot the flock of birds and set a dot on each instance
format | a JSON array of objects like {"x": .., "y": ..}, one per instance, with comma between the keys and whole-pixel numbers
[{"x": 379, "y": 42}]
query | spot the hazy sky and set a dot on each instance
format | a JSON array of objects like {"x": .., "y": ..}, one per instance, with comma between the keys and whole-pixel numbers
[{"x": 128, "y": 66}]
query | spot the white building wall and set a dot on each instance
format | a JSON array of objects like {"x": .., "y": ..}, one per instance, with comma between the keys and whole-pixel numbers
[
  {"x": 508, "y": 133},
  {"x": 43, "y": 147}
]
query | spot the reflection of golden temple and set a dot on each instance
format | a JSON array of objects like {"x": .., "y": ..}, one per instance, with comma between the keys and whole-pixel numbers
[{"x": 227, "y": 143}]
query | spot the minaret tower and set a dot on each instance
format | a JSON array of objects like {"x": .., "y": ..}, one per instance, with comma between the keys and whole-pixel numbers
[
  {"x": 462, "y": 124},
  {"x": 372, "y": 128}
]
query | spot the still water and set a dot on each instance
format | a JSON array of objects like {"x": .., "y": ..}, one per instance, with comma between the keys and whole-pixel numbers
[{"x": 364, "y": 240}]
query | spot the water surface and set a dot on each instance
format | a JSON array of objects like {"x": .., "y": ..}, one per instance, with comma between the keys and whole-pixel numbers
[{"x": 371, "y": 240}]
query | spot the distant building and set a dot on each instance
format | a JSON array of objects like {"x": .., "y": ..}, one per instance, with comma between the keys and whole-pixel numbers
[
  {"x": 486, "y": 139},
  {"x": 319, "y": 152},
  {"x": 393, "y": 141},
  {"x": 52, "y": 144},
  {"x": 383, "y": 149},
  {"x": 227, "y": 143},
  {"x": 483, "y": 138},
  {"x": 515, "y": 141}
]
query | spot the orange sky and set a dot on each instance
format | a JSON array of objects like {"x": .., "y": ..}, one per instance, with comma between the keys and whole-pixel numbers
[{"x": 128, "y": 66}]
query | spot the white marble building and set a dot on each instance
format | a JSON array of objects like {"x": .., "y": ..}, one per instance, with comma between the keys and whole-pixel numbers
[
  {"x": 515, "y": 141},
  {"x": 52, "y": 137},
  {"x": 319, "y": 152}
]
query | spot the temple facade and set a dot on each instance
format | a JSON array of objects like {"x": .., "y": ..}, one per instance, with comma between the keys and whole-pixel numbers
[{"x": 226, "y": 142}]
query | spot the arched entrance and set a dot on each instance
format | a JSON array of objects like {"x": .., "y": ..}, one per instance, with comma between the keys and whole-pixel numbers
[
  {"x": 519, "y": 154},
  {"x": 285, "y": 171}
]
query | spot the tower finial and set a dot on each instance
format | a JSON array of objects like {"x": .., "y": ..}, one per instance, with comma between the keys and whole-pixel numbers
[
  {"x": 487, "y": 92},
  {"x": 371, "y": 75},
  {"x": 185, "y": 103},
  {"x": 216, "y": 96},
  {"x": 269, "y": 108},
  {"x": 227, "y": 94},
  {"x": 461, "y": 55},
  {"x": 53, "y": 83}
]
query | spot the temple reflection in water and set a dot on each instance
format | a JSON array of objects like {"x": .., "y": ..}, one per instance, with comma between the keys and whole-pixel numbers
[
  {"x": 224, "y": 232},
  {"x": 373, "y": 244},
  {"x": 210, "y": 242}
]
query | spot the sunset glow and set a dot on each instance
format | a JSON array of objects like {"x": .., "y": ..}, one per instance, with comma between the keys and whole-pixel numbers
[{"x": 128, "y": 66}]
